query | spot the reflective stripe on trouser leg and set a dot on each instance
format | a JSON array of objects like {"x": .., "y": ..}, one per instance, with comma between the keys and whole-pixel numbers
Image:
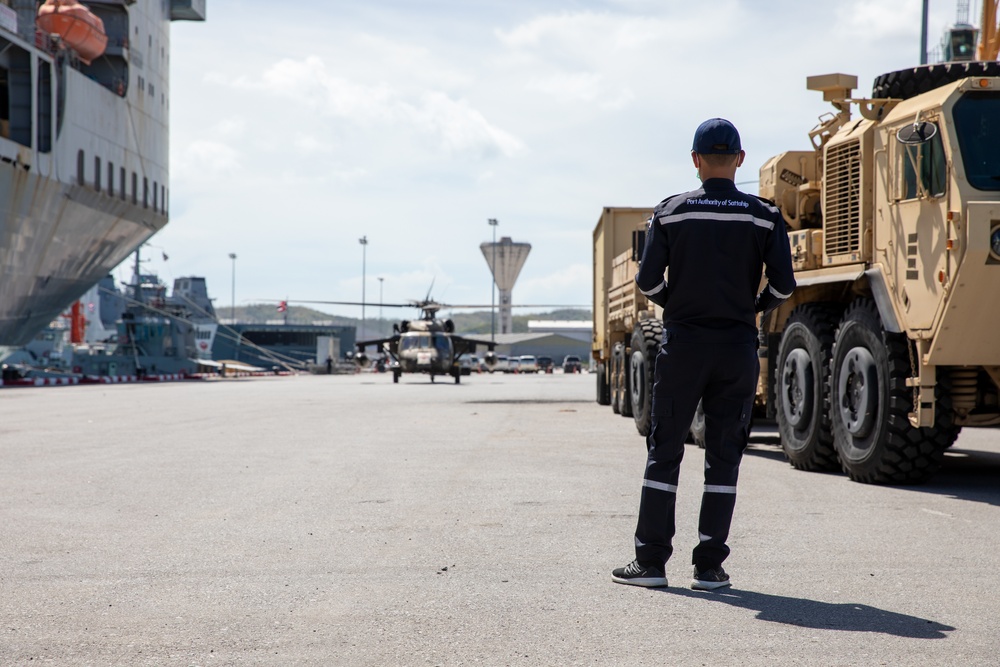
[
  {"x": 713, "y": 526},
  {"x": 672, "y": 412},
  {"x": 654, "y": 530},
  {"x": 727, "y": 419}
]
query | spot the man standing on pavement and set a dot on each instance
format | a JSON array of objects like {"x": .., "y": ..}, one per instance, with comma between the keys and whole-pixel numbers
[{"x": 713, "y": 244}]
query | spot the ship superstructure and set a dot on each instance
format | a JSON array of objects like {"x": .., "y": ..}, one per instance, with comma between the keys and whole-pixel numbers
[{"x": 83, "y": 151}]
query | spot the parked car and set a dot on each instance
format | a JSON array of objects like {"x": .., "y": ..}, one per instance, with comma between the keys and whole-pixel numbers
[
  {"x": 513, "y": 364},
  {"x": 502, "y": 365},
  {"x": 469, "y": 363},
  {"x": 545, "y": 364},
  {"x": 571, "y": 364},
  {"x": 528, "y": 364}
]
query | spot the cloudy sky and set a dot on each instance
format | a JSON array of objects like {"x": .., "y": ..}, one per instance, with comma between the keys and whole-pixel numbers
[{"x": 298, "y": 127}]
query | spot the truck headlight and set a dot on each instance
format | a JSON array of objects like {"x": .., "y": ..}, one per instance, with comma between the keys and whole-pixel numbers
[{"x": 995, "y": 242}]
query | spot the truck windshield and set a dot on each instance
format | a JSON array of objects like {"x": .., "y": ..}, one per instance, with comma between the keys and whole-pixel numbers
[{"x": 977, "y": 120}]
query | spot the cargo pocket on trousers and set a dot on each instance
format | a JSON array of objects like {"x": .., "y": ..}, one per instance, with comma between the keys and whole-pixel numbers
[
  {"x": 746, "y": 419},
  {"x": 662, "y": 416}
]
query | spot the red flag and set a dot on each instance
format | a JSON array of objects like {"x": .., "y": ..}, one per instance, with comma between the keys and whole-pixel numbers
[{"x": 282, "y": 306}]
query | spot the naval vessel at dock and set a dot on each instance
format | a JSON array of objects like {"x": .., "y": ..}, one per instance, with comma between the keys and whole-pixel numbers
[{"x": 84, "y": 99}]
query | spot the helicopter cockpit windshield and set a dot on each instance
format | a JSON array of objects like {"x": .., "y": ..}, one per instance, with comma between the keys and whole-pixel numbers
[
  {"x": 414, "y": 341},
  {"x": 443, "y": 344},
  {"x": 426, "y": 341}
]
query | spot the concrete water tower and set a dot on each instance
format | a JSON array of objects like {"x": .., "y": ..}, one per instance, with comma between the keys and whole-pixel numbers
[{"x": 505, "y": 259}]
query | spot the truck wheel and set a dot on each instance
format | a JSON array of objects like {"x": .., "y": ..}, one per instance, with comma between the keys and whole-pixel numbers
[
  {"x": 625, "y": 394},
  {"x": 642, "y": 372},
  {"x": 870, "y": 402},
  {"x": 603, "y": 388},
  {"x": 906, "y": 83},
  {"x": 802, "y": 387},
  {"x": 616, "y": 389},
  {"x": 697, "y": 432}
]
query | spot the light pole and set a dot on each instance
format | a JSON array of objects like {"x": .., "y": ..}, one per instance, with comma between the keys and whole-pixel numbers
[
  {"x": 493, "y": 273},
  {"x": 232, "y": 309},
  {"x": 364, "y": 253},
  {"x": 380, "y": 279},
  {"x": 923, "y": 35}
]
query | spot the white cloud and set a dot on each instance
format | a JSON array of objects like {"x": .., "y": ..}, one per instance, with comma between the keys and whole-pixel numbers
[
  {"x": 879, "y": 20},
  {"x": 206, "y": 158},
  {"x": 310, "y": 143},
  {"x": 454, "y": 124},
  {"x": 549, "y": 288},
  {"x": 585, "y": 34},
  {"x": 414, "y": 125},
  {"x": 234, "y": 127},
  {"x": 460, "y": 127}
]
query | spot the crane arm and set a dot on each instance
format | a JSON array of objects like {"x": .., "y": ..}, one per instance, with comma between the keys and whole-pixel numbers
[{"x": 989, "y": 40}]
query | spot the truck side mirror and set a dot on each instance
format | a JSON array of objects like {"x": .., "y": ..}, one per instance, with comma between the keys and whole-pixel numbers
[{"x": 917, "y": 133}]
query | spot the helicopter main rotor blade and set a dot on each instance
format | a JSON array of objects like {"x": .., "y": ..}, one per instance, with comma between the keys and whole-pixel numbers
[
  {"x": 427, "y": 303},
  {"x": 346, "y": 303},
  {"x": 449, "y": 306}
]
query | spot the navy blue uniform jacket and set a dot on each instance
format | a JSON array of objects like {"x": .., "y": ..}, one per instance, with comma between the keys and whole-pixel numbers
[{"x": 713, "y": 243}]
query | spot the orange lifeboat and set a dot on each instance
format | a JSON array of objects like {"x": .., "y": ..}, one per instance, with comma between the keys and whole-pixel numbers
[{"x": 77, "y": 26}]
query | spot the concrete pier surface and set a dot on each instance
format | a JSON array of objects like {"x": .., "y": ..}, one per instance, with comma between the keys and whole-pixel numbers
[{"x": 345, "y": 520}]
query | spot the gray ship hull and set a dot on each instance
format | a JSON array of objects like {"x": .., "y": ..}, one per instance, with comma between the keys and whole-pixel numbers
[
  {"x": 57, "y": 241},
  {"x": 83, "y": 154}
]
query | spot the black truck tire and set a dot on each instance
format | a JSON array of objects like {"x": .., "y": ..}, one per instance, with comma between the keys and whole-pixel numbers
[
  {"x": 641, "y": 369},
  {"x": 625, "y": 395},
  {"x": 802, "y": 381},
  {"x": 697, "y": 432},
  {"x": 615, "y": 379},
  {"x": 870, "y": 402},
  {"x": 906, "y": 83},
  {"x": 603, "y": 388}
]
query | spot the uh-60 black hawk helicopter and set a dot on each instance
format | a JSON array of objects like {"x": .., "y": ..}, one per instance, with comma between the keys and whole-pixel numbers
[{"x": 429, "y": 345}]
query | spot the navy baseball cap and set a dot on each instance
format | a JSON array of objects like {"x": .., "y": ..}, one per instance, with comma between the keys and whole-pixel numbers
[{"x": 716, "y": 135}]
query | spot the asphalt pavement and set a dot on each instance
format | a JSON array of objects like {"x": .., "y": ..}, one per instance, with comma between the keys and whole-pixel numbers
[{"x": 345, "y": 520}]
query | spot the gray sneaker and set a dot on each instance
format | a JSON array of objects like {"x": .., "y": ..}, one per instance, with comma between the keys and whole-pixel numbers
[
  {"x": 634, "y": 574},
  {"x": 710, "y": 579}
]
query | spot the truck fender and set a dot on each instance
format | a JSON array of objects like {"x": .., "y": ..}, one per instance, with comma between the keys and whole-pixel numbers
[{"x": 883, "y": 301}]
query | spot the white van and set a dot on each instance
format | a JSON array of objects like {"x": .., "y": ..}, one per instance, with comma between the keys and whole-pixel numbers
[{"x": 528, "y": 364}]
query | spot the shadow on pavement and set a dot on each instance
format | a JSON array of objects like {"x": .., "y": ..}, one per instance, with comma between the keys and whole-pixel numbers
[
  {"x": 823, "y": 615},
  {"x": 965, "y": 474}
]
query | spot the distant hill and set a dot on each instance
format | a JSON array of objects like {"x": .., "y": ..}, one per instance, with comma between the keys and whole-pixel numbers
[{"x": 476, "y": 322}]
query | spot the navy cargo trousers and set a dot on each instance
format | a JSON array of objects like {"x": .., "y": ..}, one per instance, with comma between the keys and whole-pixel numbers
[{"x": 724, "y": 377}]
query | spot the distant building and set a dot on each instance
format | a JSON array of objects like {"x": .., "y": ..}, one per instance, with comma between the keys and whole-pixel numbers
[
  {"x": 578, "y": 329},
  {"x": 261, "y": 344}
]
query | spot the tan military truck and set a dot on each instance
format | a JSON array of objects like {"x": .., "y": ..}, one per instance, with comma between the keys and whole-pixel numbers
[
  {"x": 619, "y": 306},
  {"x": 891, "y": 342},
  {"x": 628, "y": 327}
]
